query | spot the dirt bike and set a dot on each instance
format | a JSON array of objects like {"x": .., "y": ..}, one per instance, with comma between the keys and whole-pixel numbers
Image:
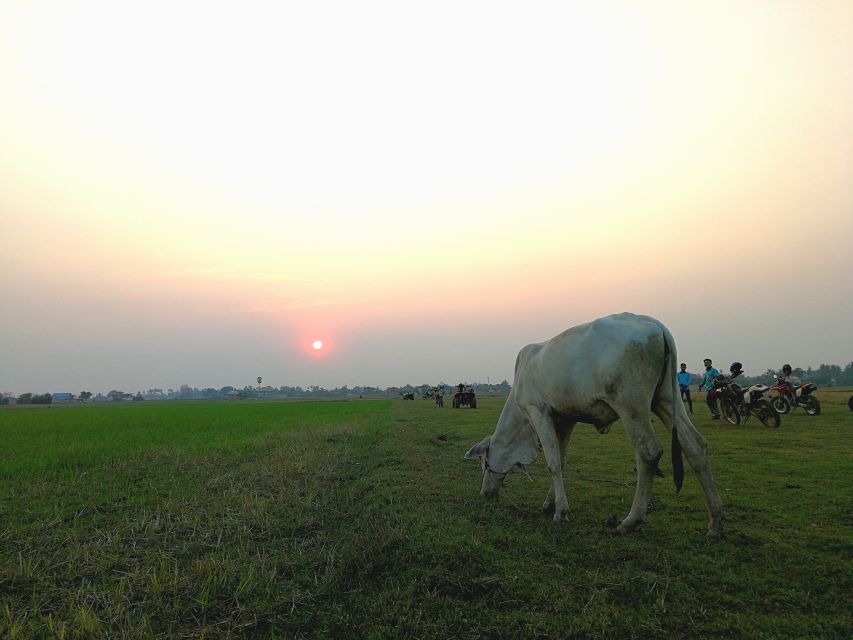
[
  {"x": 727, "y": 400},
  {"x": 788, "y": 397},
  {"x": 752, "y": 402}
]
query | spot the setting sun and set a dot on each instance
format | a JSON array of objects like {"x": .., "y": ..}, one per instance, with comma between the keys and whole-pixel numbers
[{"x": 317, "y": 344}]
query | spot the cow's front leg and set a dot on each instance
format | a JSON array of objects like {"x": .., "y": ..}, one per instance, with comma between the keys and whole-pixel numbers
[
  {"x": 564, "y": 431},
  {"x": 545, "y": 430},
  {"x": 548, "y": 505}
]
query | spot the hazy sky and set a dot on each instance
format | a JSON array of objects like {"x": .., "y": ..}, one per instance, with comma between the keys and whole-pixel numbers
[{"x": 193, "y": 192}]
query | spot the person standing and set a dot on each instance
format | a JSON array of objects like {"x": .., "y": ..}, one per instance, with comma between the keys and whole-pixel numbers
[
  {"x": 788, "y": 376},
  {"x": 684, "y": 379},
  {"x": 708, "y": 385}
]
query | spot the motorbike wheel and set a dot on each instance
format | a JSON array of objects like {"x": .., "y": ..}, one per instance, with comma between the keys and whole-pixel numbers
[
  {"x": 812, "y": 406},
  {"x": 768, "y": 415},
  {"x": 743, "y": 410},
  {"x": 781, "y": 404},
  {"x": 728, "y": 409}
]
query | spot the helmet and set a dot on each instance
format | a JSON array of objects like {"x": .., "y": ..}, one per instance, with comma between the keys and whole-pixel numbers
[
  {"x": 786, "y": 369},
  {"x": 736, "y": 366}
]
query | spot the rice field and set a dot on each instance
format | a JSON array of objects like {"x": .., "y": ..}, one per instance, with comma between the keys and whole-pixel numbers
[{"x": 360, "y": 519}]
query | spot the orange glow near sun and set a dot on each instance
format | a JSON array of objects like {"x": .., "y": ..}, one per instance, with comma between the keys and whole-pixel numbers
[{"x": 315, "y": 344}]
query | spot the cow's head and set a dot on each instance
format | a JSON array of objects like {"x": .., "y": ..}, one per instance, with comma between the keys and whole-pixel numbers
[
  {"x": 497, "y": 462},
  {"x": 491, "y": 480},
  {"x": 512, "y": 446}
]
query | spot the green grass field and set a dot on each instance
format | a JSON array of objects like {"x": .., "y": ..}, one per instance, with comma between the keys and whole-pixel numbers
[{"x": 361, "y": 519}]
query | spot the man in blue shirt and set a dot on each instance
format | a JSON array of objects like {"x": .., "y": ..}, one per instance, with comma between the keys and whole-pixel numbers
[
  {"x": 684, "y": 379},
  {"x": 708, "y": 385}
]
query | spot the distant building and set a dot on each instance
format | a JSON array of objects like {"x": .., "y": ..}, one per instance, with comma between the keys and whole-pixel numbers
[{"x": 62, "y": 397}]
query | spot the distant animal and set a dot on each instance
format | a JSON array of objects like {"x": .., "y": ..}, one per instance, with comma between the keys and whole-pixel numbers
[
  {"x": 618, "y": 367},
  {"x": 408, "y": 396}
]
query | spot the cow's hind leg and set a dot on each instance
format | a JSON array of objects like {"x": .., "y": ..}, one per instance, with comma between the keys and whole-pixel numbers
[
  {"x": 647, "y": 453},
  {"x": 564, "y": 432},
  {"x": 696, "y": 450},
  {"x": 546, "y": 430}
]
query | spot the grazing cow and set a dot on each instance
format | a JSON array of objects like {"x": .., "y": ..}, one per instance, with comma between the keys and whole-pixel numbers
[{"x": 617, "y": 367}]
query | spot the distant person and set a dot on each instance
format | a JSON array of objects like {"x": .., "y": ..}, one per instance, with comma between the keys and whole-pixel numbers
[
  {"x": 460, "y": 387},
  {"x": 788, "y": 376},
  {"x": 684, "y": 379},
  {"x": 708, "y": 385}
]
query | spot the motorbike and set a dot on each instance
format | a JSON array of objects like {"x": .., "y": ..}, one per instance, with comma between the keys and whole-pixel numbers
[
  {"x": 789, "y": 397},
  {"x": 727, "y": 400},
  {"x": 753, "y": 403}
]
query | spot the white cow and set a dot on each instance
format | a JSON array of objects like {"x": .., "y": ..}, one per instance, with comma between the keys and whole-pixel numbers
[{"x": 617, "y": 367}]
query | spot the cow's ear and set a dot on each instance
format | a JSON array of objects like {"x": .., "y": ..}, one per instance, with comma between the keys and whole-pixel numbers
[{"x": 479, "y": 449}]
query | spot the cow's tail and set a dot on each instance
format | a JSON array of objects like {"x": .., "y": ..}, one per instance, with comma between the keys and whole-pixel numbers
[{"x": 670, "y": 365}]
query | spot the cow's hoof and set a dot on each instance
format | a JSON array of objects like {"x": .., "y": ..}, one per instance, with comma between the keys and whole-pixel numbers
[
  {"x": 628, "y": 527},
  {"x": 548, "y": 507},
  {"x": 561, "y": 515},
  {"x": 612, "y": 522},
  {"x": 715, "y": 535}
]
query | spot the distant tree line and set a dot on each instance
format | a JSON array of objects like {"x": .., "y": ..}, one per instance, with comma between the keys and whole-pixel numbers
[
  {"x": 826, "y": 375},
  {"x": 30, "y": 398},
  {"x": 185, "y": 392}
]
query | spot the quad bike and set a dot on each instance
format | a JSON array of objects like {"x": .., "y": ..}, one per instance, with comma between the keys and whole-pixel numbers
[
  {"x": 753, "y": 403},
  {"x": 465, "y": 398},
  {"x": 788, "y": 397}
]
